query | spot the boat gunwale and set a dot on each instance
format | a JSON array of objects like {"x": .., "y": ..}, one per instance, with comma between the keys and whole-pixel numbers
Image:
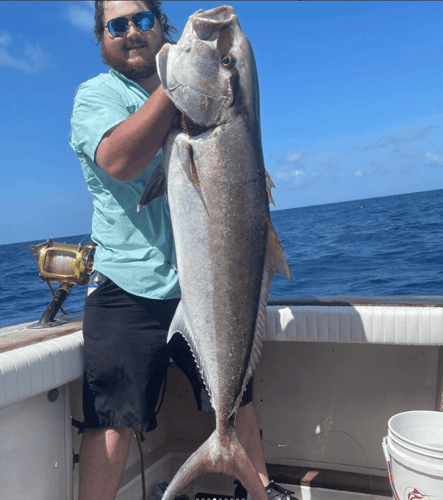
[
  {"x": 17, "y": 336},
  {"x": 360, "y": 300}
]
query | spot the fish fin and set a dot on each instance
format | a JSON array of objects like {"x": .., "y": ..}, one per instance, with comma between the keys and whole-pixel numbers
[
  {"x": 155, "y": 187},
  {"x": 191, "y": 173},
  {"x": 275, "y": 262},
  {"x": 189, "y": 166},
  {"x": 181, "y": 325},
  {"x": 269, "y": 186},
  {"x": 221, "y": 453}
]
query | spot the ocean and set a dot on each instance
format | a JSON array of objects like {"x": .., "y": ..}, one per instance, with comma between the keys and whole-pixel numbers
[{"x": 379, "y": 246}]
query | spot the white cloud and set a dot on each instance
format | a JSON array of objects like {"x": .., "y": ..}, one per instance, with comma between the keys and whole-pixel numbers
[
  {"x": 412, "y": 159},
  {"x": 296, "y": 179},
  {"x": 81, "y": 15},
  {"x": 293, "y": 158},
  {"x": 374, "y": 169},
  {"x": 299, "y": 176},
  {"x": 5, "y": 39},
  {"x": 396, "y": 139},
  {"x": 398, "y": 161},
  {"x": 22, "y": 56},
  {"x": 296, "y": 173},
  {"x": 396, "y": 154},
  {"x": 407, "y": 136},
  {"x": 295, "y": 155},
  {"x": 434, "y": 160}
]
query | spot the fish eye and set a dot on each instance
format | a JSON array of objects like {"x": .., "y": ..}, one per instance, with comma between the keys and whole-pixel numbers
[{"x": 228, "y": 61}]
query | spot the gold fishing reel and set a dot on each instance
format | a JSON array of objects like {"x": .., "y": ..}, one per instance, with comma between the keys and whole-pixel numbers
[{"x": 67, "y": 264}]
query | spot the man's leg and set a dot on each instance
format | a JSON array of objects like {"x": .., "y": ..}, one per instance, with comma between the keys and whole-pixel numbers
[
  {"x": 248, "y": 434},
  {"x": 103, "y": 456}
]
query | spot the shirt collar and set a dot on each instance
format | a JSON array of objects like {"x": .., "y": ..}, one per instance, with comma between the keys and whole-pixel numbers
[{"x": 117, "y": 74}]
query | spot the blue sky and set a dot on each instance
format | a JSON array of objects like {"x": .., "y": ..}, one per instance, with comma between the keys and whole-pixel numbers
[{"x": 351, "y": 103}]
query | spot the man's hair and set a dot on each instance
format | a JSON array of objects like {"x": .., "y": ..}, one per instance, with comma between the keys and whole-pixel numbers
[{"x": 153, "y": 5}]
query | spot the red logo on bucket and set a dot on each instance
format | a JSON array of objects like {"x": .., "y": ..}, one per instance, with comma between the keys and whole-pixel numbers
[{"x": 416, "y": 494}]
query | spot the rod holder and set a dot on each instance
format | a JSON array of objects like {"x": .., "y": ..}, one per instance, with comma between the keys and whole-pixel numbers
[{"x": 48, "y": 317}]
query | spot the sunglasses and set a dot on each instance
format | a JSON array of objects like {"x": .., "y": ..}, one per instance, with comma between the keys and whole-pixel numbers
[{"x": 119, "y": 26}]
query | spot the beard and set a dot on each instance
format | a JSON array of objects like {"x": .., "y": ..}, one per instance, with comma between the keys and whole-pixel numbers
[{"x": 134, "y": 71}]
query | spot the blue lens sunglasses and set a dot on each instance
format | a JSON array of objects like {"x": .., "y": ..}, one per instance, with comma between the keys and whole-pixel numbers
[{"x": 119, "y": 26}]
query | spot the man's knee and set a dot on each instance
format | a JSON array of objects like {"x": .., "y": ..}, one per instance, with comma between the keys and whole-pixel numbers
[{"x": 109, "y": 436}]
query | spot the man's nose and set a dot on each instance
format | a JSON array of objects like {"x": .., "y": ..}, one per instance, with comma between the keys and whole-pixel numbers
[{"x": 132, "y": 29}]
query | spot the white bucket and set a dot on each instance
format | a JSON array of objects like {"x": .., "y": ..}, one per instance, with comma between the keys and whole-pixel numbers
[{"x": 414, "y": 453}]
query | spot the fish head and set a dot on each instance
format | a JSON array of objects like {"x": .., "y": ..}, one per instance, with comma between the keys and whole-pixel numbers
[{"x": 210, "y": 74}]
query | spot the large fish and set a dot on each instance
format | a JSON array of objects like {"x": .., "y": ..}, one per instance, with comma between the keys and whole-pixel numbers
[{"x": 227, "y": 249}]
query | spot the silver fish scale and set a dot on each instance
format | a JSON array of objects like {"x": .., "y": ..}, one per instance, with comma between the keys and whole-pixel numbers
[{"x": 221, "y": 252}]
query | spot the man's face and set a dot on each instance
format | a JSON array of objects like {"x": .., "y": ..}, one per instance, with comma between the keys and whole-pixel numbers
[{"x": 133, "y": 54}]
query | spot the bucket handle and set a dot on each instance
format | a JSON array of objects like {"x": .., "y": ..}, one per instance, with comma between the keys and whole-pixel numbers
[{"x": 388, "y": 463}]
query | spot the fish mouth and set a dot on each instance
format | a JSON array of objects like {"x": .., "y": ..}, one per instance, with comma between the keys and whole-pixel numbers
[{"x": 207, "y": 23}]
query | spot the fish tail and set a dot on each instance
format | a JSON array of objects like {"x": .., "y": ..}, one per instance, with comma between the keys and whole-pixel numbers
[{"x": 221, "y": 453}]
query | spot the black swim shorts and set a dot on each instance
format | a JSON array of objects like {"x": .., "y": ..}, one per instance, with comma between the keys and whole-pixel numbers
[{"x": 126, "y": 358}]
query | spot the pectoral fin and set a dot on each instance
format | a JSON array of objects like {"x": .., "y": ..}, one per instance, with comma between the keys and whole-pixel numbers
[
  {"x": 191, "y": 172},
  {"x": 155, "y": 187},
  {"x": 189, "y": 166}
]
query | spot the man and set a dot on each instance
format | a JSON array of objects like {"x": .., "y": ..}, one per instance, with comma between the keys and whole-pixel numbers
[{"x": 119, "y": 122}]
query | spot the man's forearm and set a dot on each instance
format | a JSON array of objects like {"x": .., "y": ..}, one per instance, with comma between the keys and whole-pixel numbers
[{"x": 126, "y": 151}]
